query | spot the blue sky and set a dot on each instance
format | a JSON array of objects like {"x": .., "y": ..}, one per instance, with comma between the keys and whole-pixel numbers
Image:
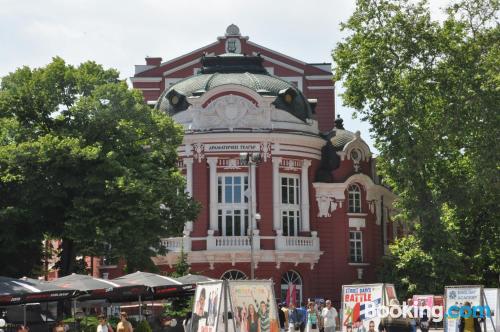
[{"x": 120, "y": 33}]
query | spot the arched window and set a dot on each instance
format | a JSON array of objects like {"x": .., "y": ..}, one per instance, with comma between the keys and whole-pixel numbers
[
  {"x": 354, "y": 199},
  {"x": 288, "y": 279},
  {"x": 234, "y": 275}
]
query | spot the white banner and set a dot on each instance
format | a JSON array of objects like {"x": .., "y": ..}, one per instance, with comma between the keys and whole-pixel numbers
[
  {"x": 457, "y": 296},
  {"x": 358, "y": 302},
  {"x": 207, "y": 302},
  {"x": 492, "y": 300}
]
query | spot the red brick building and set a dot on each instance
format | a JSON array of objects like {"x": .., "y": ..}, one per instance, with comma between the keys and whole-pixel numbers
[{"x": 313, "y": 201}]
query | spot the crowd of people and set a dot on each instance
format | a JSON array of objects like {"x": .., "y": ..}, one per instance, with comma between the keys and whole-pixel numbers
[{"x": 322, "y": 317}]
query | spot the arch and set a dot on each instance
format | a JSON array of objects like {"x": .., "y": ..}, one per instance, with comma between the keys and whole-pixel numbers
[
  {"x": 357, "y": 144},
  {"x": 233, "y": 275},
  {"x": 294, "y": 278}
]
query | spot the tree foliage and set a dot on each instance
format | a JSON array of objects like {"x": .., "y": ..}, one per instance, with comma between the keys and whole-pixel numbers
[
  {"x": 430, "y": 91},
  {"x": 85, "y": 160}
]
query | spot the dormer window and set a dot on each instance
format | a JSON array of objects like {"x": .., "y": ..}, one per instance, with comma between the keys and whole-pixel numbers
[{"x": 354, "y": 199}]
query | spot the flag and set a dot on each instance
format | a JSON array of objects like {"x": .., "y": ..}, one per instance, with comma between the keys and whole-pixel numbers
[{"x": 291, "y": 294}]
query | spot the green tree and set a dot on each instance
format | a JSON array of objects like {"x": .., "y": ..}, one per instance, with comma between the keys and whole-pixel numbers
[
  {"x": 85, "y": 160},
  {"x": 430, "y": 91}
]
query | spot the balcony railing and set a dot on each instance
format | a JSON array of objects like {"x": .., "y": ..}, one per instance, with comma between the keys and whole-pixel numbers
[
  {"x": 231, "y": 243},
  {"x": 242, "y": 243},
  {"x": 297, "y": 243},
  {"x": 175, "y": 244}
]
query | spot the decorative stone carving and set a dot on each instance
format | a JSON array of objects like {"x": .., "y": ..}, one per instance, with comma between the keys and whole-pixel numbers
[
  {"x": 265, "y": 148},
  {"x": 230, "y": 111},
  {"x": 324, "y": 203},
  {"x": 198, "y": 151}
]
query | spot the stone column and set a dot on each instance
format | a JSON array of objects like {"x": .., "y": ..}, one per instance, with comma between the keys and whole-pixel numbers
[
  {"x": 253, "y": 186},
  {"x": 304, "y": 199},
  {"x": 276, "y": 193},
  {"x": 189, "y": 175},
  {"x": 212, "y": 162}
]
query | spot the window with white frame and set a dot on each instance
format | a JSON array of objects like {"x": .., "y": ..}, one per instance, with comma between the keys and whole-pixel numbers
[
  {"x": 354, "y": 199},
  {"x": 356, "y": 246},
  {"x": 290, "y": 205},
  {"x": 232, "y": 209}
]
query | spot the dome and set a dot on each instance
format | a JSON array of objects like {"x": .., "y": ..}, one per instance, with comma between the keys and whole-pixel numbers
[
  {"x": 236, "y": 69},
  {"x": 341, "y": 138}
]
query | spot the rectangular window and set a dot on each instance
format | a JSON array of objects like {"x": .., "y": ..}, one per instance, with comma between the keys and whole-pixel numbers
[
  {"x": 290, "y": 190},
  {"x": 290, "y": 205},
  {"x": 233, "y": 222},
  {"x": 290, "y": 222},
  {"x": 232, "y": 201},
  {"x": 355, "y": 247}
]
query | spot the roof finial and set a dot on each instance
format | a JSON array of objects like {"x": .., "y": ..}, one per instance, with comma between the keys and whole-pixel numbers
[
  {"x": 233, "y": 30},
  {"x": 339, "y": 123}
]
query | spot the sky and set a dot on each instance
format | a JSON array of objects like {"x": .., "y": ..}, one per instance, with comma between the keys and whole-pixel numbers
[{"x": 121, "y": 33}]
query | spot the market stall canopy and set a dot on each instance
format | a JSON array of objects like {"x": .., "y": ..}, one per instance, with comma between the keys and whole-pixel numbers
[
  {"x": 160, "y": 286},
  {"x": 22, "y": 291},
  {"x": 94, "y": 288},
  {"x": 193, "y": 279}
]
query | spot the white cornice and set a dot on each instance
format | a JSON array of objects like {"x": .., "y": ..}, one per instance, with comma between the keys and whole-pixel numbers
[
  {"x": 321, "y": 87},
  {"x": 277, "y": 53},
  {"x": 319, "y": 77},
  {"x": 145, "y": 79},
  {"x": 188, "y": 54},
  {"x": 282, "y": 64},
  {"x": 180, "y": 67}
]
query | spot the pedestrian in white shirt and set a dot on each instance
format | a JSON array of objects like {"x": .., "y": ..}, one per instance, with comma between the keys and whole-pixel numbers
[
  {"x": 330, "y": 317},
  {"x": 103, "y": 325}
]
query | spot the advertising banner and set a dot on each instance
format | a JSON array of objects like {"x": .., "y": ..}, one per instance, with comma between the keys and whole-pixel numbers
[
  {"x": 254, "y": 306},
  {"x": 492, "y": 300},
  {"x": 358, "y": 304},
  {"x": 421, "y": 301},
  {"x": 457, "y": 296},
  {"x": 206, "y": 308}
]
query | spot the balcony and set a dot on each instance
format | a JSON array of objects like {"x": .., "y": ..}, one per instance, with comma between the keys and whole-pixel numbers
[
  {"x": 175, "y": 244},
  {"x": 297, "y": 243},
  {"x": 232, "y": 243},
  {"x": 236, "y": 249}
]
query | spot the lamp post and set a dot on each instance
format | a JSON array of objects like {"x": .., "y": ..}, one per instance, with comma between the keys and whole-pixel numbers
[{"x": 251, "y": 159}]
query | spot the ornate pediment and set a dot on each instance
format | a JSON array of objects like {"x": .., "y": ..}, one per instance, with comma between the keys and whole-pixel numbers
[{"x": 231, "y": 111}]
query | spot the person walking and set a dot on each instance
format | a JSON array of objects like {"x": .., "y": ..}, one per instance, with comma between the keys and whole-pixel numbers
[
  {"x": 330, "y": 317},
  {"x": 312, "y": 318},
  {"x": 472, "y": 323},
  {"x": 124, "y": 325},
  {"x": 103, "y": 325},
  {"x": 294, "y": 318},
  {"x": 303, "y": 316}
]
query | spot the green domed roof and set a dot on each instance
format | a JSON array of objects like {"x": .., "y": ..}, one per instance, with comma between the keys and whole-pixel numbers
[
  {"x": 341, "y": 138},
  {"x": 234, "y": 69}
]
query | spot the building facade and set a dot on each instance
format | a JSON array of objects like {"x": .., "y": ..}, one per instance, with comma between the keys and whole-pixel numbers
[{"x": 272, "y": 168}]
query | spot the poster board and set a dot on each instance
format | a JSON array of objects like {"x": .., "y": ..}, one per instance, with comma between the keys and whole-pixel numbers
[
  {"x": 457, "y": 296},
  {"x": 492, "y": 300},
  {"x": 253, "y": 306},
  {"x": 356, "y": 299},
  {"x": 207, "y": 307},
  {"x": 423, "y": 302}
]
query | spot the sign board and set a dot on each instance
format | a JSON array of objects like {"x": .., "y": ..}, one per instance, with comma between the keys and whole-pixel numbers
[
  {"x": 206, "y": 310},
  {"x": 357, "y": 299},
  {"x": 232, "y": 147},
  {"x": 254, "y": 306},
  {"x": 492, "y": 300},
  {"x": 457, "y": 296}
]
